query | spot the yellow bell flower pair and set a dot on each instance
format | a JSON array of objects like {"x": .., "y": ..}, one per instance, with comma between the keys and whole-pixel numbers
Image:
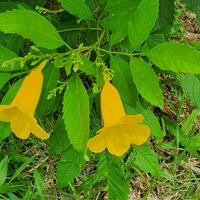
[{"x": 119, "y": 131}]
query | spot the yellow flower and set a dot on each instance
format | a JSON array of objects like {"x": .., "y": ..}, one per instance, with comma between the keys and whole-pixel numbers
[
  {"x": 20, "y": 113},
  {"x": 119, "y": 130}
]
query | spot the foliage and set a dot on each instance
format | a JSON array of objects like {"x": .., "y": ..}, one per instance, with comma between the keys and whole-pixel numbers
[{"x": 134, "y": 45}]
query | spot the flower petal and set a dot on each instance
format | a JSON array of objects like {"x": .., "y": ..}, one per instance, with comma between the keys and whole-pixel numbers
[
  {"x": 38, "y": 131},
  {"x": 132, "y": 119},
  {"x": 139, "y": 133},
  {"x": 29, "y": 93},
  {"x": 117, "y": 142},
  {"x": 20, "y": 126},
  {"x": 97, "y": 143},
  {"x": 112, "y": 108}
]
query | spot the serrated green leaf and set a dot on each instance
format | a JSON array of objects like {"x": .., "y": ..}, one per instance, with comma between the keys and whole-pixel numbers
[
  {"x": 10, "y": 5},
  {"x": 41, "y": 31},
  {"x": 117, "y": 185},
  {"x": 51, "y": 77},
  {"x": 111, "y": 168},
  {"x": 191, "y": 86},
  {"x": 143, "y": 21},
  {"x": 118, "y": 18},
  {"x": 153, "y": 40},
  {"x": 147, "y": 82},
  {"x": 3, "y": 170},
  {"x": 78, "y": 8},
  {"x": 175, "y": 57},
  {"x": 76, "y": 113},
  {"x": 166, "y": 16},
  {"x": 123, "y": 80},
  {"x": 147, "y": 160},
  {"x": 194, "y": 6},
  {"x": 69, "y": 167},
  {"x": 58, "y": 141}
]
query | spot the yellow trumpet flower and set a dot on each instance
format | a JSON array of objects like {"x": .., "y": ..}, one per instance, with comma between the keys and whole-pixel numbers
[
  {"x": 119, "y": 130},
  {"x": 20, "y": 113}
]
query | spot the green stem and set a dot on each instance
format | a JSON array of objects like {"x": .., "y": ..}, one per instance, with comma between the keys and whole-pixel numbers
[
  {"x": 67, "y": 45},
  {"x": 79, "y": 29},
  {"x": 118, "y": 53}
]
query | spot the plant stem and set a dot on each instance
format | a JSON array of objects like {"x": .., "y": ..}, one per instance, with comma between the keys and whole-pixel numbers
[
  {"x": 118, "y": 53},
  {"x": 79, "y": 29}
]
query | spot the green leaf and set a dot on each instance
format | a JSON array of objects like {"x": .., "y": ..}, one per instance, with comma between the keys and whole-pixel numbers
[
  {"x": 166, "y": 16},
  {"x": 78, "y": 8},
  {"x": 123, "y": 80},
  {"x": 4, "y": 131},
  {"x": 194, "y": 6},
  {"x": 87, "y": 66},
  {"x": 147, "y": 160},
  {"x": 69, "y": 167},
  {"x": 40, "y": 185},
  {"x": 117, "y": 185},
  {"x": 3, "y": 170},
  {"x": 66, "y": 62},
  {"x": 6, "y": 54},
  {"x": 76, "y": 113},
  {"x": 4, "y": 78},
  {"x": 118, "y": 18},
  {"x": 191, "y": 86},
  {"x": 51, "y": 77},
  {"x": 111, "y": 168},
  {"x": 175, "y": 57},
  {"x": 153, "y": 40},
  {"x": 146, "y": 82},
  {"x": 143, "y": 21},
  {"x": 58, "y": 141},
  {"x": 10, "y": 5},
  {"x": 9, "y": 96},
  {"x": 41, "y": 31}
]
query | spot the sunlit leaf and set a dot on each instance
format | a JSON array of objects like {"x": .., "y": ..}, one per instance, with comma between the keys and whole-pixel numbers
[
  {"x": 76, "y": 112},
  {"x": 41, "y": 31},
  {"x": 146, "y": 82}
]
